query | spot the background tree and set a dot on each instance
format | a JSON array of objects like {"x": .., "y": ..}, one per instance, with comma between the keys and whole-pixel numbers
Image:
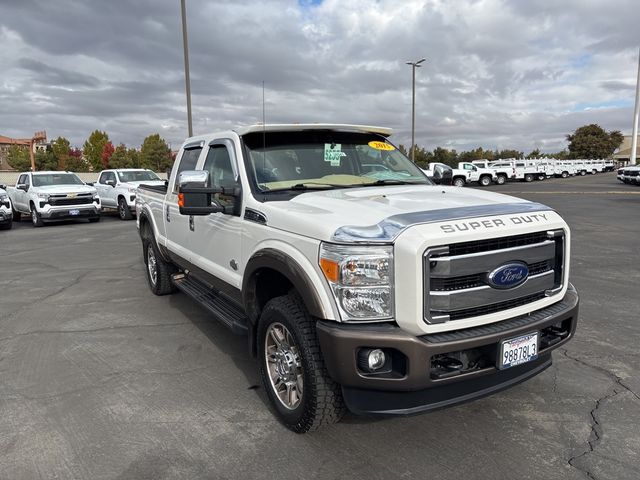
[
  {"x": 155, "y": 154},
  {"x": 508, "y": 153},
  {"x": 443, "y": 155},
  {"x": 45, "y": 159},
  {"x": 76, "y": 162},
  {"x": 61, "y": 148},
  {"x": 119, "y": 157},
  {"x": 133, "y": 158},
  {"x": 535, "y": 153},
  {"x": 107, "y": 151},
  {"x": 93, "y": 148},
  {"x": 593, "y": 141},
  {"x": 18, "y": 158}
]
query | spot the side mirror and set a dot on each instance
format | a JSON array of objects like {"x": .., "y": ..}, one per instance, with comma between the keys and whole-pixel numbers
[
  {"x": 90, "y": 183},
  {"x": 110, "y": 182},
  {"x": 195, "y": 196},
  {"x": 22, "y": 187},
  {"x": 3, "y": 186}
]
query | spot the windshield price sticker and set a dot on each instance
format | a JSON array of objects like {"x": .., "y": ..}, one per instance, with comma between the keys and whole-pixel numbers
[
  {"x": 516, "y": 351},
  {"x": 381, "y": 146},
  {"x": 332, "y": 153}
]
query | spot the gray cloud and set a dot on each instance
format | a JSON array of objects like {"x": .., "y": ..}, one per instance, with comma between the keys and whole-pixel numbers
[{"x": 499, "y": 74}]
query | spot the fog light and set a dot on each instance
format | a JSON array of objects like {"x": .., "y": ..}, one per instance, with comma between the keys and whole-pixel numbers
[{"x": 376, "y": 359}]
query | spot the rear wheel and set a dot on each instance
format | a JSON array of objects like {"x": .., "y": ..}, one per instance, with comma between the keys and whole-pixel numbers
[
  {"x": 123, "y": 210},
  {"x": 565, "y": 174},
  {"x": 17, "y": 216},
  {"x": 158, "y": 270},
  {"x": 36, "y": 219},
  {"x": 501, "y": 180},
  {"x": 292, "y": 368},
  {"x": 459, "y": 182},
  {"x": 485, "y": 180},
  {"x": 541, "y": 177},
  {"x": 528, "y": 178},
  {"x": 583, "y": 173}
]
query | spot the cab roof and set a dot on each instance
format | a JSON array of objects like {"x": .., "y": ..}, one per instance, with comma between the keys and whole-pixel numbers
[{"x": 297, "y": 127}]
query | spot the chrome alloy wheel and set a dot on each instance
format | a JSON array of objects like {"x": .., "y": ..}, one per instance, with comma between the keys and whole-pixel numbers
[
  {"x": 122, "y": 211},
  {"x": 284, "y": 365},
  {"x": 152, "y": 265}
]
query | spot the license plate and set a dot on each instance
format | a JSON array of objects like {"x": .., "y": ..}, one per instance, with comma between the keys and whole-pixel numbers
[
  {"x": 519, "y": 350},
  {"x": 74, "y": 212}
]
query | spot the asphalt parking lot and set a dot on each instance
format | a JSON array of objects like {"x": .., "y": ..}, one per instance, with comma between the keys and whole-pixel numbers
[{"x": 101, "y": 379}]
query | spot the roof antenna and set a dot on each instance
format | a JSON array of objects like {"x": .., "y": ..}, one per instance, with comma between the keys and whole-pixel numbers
[{"x": 264, "y": 133}]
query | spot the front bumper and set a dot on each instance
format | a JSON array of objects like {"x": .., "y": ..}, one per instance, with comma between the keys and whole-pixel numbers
[
  {"x": 414, "y": 383},
  {"x": 65, "y": 213}
]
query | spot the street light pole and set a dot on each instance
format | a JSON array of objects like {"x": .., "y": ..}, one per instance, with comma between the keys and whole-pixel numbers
[
  {"x": 414, "y": 65},
  {"x": 187, "y": 80},
  {"x": 636, "y": 112}
]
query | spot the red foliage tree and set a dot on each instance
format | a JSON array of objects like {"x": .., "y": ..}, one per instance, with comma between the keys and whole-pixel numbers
[{"x": 107, "y": 151}]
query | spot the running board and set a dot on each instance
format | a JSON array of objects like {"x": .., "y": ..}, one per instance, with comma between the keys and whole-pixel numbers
[{"x": 224, "y": 309}]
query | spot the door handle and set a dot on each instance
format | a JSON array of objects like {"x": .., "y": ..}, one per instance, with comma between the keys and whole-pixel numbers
[
  {"x": 191, "y": 225},
  {"x": 167, "y": 215}
]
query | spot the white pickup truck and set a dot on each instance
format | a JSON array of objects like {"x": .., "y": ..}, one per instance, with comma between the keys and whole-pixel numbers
[
  {"x": 6, "y": 212},
  {"x": 503, "y": 173},
  {"x": 117, "y": 188},
  {"x": 358, "y": 287},
  {"x": 49, "y": 196},
  {"x": 484, "y": 176}
]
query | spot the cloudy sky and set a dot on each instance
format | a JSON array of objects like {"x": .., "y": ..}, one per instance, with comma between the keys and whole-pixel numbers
[{"x": 499, "y": 74}]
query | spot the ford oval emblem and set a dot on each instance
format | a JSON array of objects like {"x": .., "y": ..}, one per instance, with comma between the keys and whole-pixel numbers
[{"x": 509, "y": 275}]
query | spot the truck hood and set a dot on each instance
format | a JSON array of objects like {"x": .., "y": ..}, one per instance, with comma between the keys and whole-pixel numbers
[
  {"x": 57, "y": 189},
  {"x": 321, "y": 214}
]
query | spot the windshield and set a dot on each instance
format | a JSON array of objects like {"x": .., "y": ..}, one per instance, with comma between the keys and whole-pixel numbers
[
  {"x": 47, "y": 179},
  {"x": 324, "y": 159},
  {"x": 137, "y": 176}
]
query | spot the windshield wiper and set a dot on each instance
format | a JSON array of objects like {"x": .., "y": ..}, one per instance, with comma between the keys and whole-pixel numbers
[
  {"x": 305, "y": 186},
  {"x": 391, "y": 181}
]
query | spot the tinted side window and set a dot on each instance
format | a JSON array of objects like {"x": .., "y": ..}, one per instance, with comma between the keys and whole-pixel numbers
[
  {"x": 111, "y": 176},
  {"x": 21, "y": 179},
  {"x": 103, "y": 177},
  {"x": 187, "y": 162}
]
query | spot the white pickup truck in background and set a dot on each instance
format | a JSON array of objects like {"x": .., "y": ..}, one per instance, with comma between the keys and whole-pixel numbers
[
  {"x": 459, "y": 178},
  {"x": 358, "y": 282},
  {"x": 6, "y": 212},
  {"x": 484, "y": 176},
  {"x": 502, "y": 173},
  {"x": 48, "y": 196},
  {"x": 117, "y": 188}
]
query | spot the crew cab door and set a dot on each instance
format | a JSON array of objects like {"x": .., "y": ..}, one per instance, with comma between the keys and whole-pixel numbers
[
  {"x": 178, "y": 228},
  {"x": 216, "y": 238}
]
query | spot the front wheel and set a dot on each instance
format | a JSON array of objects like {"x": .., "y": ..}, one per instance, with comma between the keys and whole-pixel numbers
[
  {"x": 565, "y": 174},
  {"x": 583, "y": 173},
  {"x": 36, "y": 219},
  {"x": 123, "y": 210},
  {"x": 293, "y": 372},
  {"x": 501, "y": 180},
  {"x": 528, "y": 178}
]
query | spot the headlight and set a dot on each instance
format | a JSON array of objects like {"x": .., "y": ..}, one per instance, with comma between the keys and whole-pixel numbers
[
  {"x": 44, "y": 196},
  {"x": 4, "y": 200},
  {"x": 132, "y": 189},
  {"x": 361, "y": 278}
]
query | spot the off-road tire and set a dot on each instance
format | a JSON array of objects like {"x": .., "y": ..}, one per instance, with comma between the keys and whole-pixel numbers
[
  {"x": 501, "y": 180},
  {"x": 162, "y": 285},
  {"x": 36, "y": 219},
  {"x": 528, "y": 178},
  {"x": 123, "y": 209},
  {"x": 321, "y": 403}
]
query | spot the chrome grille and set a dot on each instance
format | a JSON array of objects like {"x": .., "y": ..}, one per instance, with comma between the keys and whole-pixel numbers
[
  {"x": 456, "y": 275},
  {"x": 63, "y": 200}
]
